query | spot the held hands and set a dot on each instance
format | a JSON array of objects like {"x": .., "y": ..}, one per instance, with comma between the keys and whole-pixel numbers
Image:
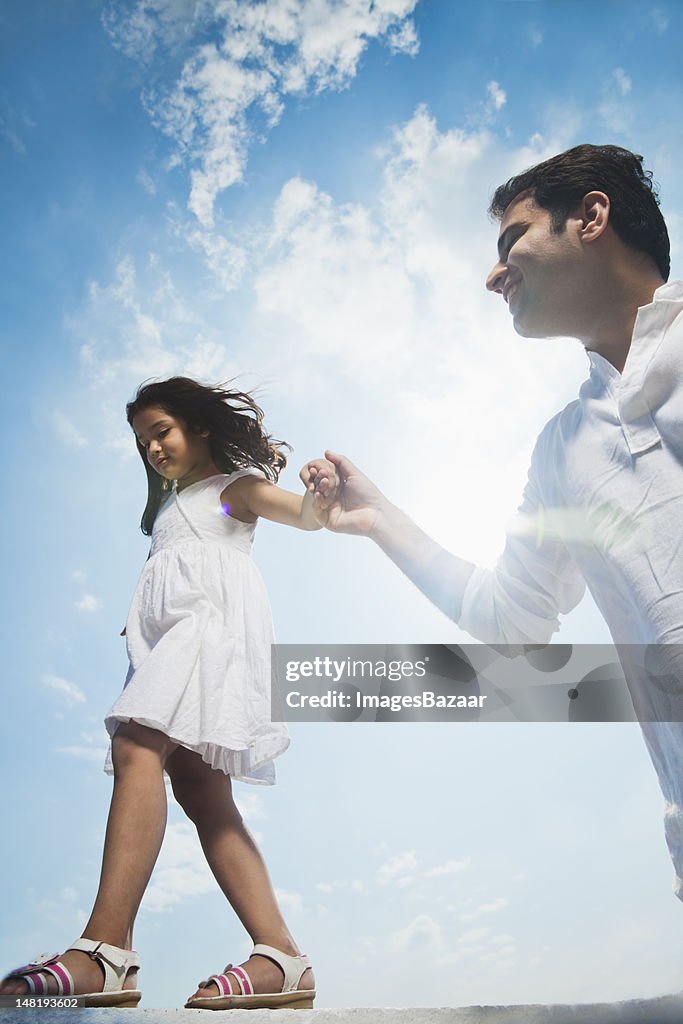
[
  {"x": 322, "y": 485},
  {"x": 352, "y": 504}
]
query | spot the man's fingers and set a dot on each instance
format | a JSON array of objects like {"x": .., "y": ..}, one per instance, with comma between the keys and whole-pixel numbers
[
  {"x": 344, "y": 466},
  {"x": 310, "y": 475}
]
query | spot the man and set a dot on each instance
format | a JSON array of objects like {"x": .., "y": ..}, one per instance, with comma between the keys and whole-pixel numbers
[{"x": 583, "y": 251}]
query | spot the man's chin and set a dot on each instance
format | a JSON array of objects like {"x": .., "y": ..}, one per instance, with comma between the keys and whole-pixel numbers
[
  {"x": 525, "y": 329},
  {"x": 521, "y": 327}
]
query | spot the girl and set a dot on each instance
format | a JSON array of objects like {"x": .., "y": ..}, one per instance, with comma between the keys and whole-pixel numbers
[{"x": 196, "y": 703}]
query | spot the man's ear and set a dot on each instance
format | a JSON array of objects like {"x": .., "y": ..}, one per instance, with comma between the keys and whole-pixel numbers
[{"x": 594, "y": 215}]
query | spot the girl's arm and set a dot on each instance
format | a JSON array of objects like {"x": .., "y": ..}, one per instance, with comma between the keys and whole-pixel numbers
[{"x": 251, "y": 497}]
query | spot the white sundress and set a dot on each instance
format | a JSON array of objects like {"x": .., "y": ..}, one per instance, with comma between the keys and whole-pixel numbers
[{"x": 198, "y": 637}]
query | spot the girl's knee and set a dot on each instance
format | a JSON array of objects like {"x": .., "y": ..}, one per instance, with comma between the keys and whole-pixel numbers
[{"x": 203, "y": 796}]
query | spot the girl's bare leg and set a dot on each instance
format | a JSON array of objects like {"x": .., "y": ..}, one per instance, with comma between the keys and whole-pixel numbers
[
  {"x": 135, "y": 830},
  {"x": 205, "y": 795}
]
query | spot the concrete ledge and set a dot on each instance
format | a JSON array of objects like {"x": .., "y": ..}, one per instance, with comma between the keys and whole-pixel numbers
[{"x": 664, "y": 1010}]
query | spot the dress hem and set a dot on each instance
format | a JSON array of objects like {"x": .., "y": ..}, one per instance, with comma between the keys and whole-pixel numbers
[{"x": 260, "y": 756}]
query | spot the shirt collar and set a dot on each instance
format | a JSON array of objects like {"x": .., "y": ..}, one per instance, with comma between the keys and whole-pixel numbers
[{"x": 650, "y": 324}]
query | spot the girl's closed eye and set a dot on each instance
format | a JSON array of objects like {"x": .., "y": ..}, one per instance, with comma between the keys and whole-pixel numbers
[{"x": 162, "y": 433}]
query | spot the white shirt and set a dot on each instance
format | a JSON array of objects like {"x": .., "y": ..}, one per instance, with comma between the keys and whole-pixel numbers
[{"x": 603, "y": 505}]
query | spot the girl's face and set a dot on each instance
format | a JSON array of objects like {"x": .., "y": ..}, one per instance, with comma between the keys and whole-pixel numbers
[{"x": 173, "y": 451}]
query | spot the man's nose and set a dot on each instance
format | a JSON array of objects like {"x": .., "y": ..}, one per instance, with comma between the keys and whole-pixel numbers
[{"x": 496, "y": 279}]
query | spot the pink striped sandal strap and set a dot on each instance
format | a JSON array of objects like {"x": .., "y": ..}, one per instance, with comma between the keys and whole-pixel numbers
[
  {"x": 34, "y": 974},
  {"x": 37, "y": 983},
  {"x": 243, "y": 980},
  {"x": 65, "y": 982},
  {"x": 222, "y": 982}
]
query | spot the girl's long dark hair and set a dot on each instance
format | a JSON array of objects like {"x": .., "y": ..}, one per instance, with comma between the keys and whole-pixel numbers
[{"x": 234, "y": 423}]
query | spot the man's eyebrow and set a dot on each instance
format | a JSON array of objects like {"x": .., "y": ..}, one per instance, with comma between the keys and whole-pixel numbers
[
  {"x": 504, "y": 239},
  {"x": 154, "y": 426}
]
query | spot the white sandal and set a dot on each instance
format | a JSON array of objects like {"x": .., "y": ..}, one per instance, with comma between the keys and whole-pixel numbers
[
  {"x": 289, "y": 995},
  {"x": 115, "y": 962}
]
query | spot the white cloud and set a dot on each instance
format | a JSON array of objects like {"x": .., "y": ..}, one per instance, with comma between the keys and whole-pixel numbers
[
  {"x": 616, "y": 113},
  {"x": 134, "y": 342},
  {"x": 535, "y": 35},
  {"x": 473, "y": 937},
  {"x": 327, "y": 887},
  {"x": 403, "y": 38},
  {"x": 660, "y": 19},
  {"x": 497, "y": 96},
  {"x": 289, "y": 902},
  {"x": 387, "y": 295},
  {"x": 67, "y": 431},
  {"x": 88, "y": 603},
  {"x": 397, "y": 868},
  {"x": 233, "y": 89},
  {"x": 150, "y": 25},
  {"x": 484, "y": 909},
  {"x": 225, "y": 260},
  {"x": 60, "y": 908},
  {"x": 422, "y": 934},
  {"x": 181, "y": 872},
  {"x": 140, "y": 327},
  {"x": 146, "y": 181},
  {"x": 69, "y": 692},
  {"x": 394, "y": 294},
  {"x": 336, "y": 280},
  {"x": 250, "y": 806},
  {"x": 503, "y": 957},
  {"x": 623, "y": 82},
  {"x": 12, "y": 122},
  {"x": 94, "y": 751},
  {"x": 79, "y": 575},
  {"x": 450, "y": 867},
  {"x": 94, "y": 755}
]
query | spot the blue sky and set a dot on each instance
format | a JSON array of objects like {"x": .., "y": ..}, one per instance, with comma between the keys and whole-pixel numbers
[{"x": 296, "y": 194}]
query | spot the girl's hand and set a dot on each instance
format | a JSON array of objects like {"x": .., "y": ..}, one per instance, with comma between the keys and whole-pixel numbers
[
  {"x": 320, "y": 479},
  {"x": 358, "y": 505}
]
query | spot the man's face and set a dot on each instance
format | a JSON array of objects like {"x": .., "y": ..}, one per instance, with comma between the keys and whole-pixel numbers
[{"x": 541, "y": 275}]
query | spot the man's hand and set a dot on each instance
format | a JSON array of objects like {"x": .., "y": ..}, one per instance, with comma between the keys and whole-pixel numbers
[{"x": 357, "y": 503}]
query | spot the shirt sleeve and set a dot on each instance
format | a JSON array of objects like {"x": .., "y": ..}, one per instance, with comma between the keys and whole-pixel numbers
[{"x": 534, "y": 581}]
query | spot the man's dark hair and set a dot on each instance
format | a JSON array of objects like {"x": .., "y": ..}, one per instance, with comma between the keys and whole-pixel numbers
[{"x": 559, "y": 184}]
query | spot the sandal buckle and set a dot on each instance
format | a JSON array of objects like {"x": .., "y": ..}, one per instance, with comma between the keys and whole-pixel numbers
[{"x": 43, "y": 958}]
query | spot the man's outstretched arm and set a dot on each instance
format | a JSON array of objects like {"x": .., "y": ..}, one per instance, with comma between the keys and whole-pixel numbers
[
  {"x": 361, "y": 508},
  {"x": 516, "y": 604}
]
